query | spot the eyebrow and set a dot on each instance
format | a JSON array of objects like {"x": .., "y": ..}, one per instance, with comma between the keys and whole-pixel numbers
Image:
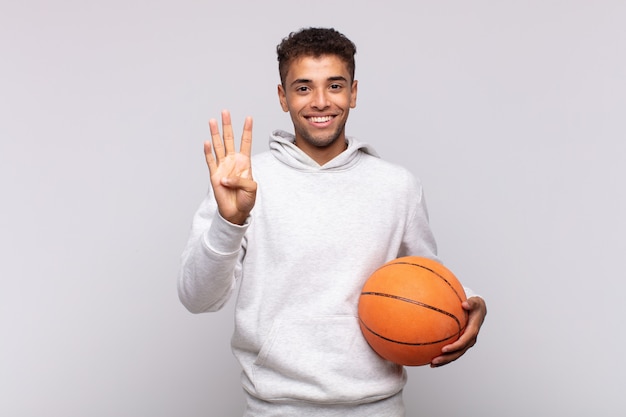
[{"x": 307, "y": 81}]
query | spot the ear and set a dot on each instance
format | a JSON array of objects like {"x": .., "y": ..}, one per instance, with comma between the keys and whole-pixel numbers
[
  {"x": 282, "y": 98},
  {"x": 353, "y": 92}
]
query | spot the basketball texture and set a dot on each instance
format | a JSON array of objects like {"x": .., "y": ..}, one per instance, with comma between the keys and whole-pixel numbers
[{"x": 410, "y": 308}]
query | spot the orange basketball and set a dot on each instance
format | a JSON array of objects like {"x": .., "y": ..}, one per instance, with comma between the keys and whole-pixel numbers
[{"x": 410, "y": 308}]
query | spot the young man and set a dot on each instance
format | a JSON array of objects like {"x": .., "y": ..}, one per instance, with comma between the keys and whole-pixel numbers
[{"x": 297, "y": 230}]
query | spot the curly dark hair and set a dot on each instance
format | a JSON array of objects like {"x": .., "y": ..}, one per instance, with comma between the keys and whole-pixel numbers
[{"x": 314, "y": 42}]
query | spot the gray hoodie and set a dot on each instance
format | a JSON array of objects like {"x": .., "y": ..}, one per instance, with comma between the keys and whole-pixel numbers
[{"x": 315, "y": 235}]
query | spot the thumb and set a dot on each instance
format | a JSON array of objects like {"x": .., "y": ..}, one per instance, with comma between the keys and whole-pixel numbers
[{"x": 245, "y": 184}]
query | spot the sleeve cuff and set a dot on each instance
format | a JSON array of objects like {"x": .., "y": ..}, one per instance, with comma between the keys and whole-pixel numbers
[{"x": 224, "y": 237}]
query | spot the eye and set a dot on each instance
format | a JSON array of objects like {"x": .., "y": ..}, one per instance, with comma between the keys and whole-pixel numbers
[
  {"x": 302, "y": 89},
  {"x": 335, "y": 86}
]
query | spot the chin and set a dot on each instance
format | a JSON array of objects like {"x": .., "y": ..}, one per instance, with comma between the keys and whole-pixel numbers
[{"x": 321, "y": 141}]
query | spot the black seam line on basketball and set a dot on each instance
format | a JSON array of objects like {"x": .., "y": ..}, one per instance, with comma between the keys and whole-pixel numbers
[
  {"x": 428, "y": 269},
  {"x": 406, "y": 343},
  {"x": 408, "y": 300}
]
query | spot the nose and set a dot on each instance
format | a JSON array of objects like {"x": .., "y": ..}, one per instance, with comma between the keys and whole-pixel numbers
[{"x": 320, "y": 100}]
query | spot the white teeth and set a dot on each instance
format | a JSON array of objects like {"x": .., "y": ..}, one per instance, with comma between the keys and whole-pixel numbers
[{"x": 320, "y": 119}]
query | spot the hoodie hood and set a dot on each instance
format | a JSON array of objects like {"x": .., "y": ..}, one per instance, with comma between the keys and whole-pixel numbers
[{"x": 283, "y": 148}]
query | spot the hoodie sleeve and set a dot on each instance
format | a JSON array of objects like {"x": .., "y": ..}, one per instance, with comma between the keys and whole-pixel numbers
[
  {"x": 210, "y": 263},
  {"x": 419, "y": 239}
]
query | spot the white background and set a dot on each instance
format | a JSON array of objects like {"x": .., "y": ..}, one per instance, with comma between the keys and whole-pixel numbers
[{"x": 511, "y": 113}]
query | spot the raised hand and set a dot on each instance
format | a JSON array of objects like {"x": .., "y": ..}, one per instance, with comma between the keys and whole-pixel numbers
[{"x": 231, "y": 172}]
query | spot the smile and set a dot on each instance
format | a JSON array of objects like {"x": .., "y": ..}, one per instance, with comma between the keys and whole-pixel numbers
[{"x": 320, "y": 119}]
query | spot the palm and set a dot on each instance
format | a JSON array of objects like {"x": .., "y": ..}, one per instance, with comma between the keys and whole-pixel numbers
[
  {"x": 232, "y": 201},
  {"x": 231, "y": 172}
]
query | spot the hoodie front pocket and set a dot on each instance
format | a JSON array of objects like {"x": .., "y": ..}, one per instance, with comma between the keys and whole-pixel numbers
[{"x": 322, "y": 359}]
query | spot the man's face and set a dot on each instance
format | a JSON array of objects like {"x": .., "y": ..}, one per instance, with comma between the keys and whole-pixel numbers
[{"x": 318, "y": 94}]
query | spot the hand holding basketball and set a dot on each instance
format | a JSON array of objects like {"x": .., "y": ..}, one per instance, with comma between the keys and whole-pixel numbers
[
  {"x": 231, "y": 172},
  {"x": 477, "y": 309}
]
